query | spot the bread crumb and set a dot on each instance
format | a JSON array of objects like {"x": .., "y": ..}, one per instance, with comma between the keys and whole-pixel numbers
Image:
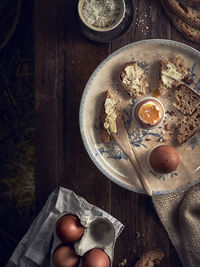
[
  {"x": 168, "y": 127},
  {"x": 163, "y": 139},
  {"x": 137, "y": 235},
  {"x": 150, "y": 258},
  {"x": 123, "y": 263},
  {"x": 171, "y": 113}
]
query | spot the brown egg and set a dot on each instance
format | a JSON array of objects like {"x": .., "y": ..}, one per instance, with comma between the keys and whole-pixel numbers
[
  {"x": 65, "y": 256},
  {"x": 96, "y": 258},
  {"x": 69, "y": 229},
  {"x": 164, "y": 159}
]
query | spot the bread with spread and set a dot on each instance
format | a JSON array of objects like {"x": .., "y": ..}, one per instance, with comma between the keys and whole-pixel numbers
[
  {"x": 133, "y": 79},
  {"x": 109, "y": 112},
  {"x": 172, "y": 73},
  {"x": 187, "y": 99},
  {"x": 188, "y": 126}
]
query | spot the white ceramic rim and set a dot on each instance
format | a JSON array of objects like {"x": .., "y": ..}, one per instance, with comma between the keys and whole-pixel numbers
[
  {"x": 139, "y": 101},
  {"x": 84, "y": 95},
  {"x": 106, "y": 29}
]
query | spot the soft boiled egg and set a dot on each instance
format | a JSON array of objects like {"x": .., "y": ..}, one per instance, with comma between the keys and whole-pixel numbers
[
  {"x": 148, "y": 112},
  {"x": 163, "y": 159},
  {"x": 69, "y": 229}
]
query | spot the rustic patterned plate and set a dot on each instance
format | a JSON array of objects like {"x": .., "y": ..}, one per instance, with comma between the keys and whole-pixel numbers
[{"x": 109, "y": 158}]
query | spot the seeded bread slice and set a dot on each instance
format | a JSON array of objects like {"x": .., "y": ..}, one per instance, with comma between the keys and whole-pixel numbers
[
  {"x": 133, "y": 79},
  {"x": 187, "y": 99},
  {"x": 150, "y": 258},
  {"x": 187, "y": 13},
  {"x": 188, "y": 127},
  {"x": 189, "y": 32},
  {"x": 172, "y": 73},
  {"x": 105, "y": 133}
]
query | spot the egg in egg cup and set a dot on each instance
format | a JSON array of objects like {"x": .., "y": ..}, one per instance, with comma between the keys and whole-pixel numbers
[{"x": 148, "y": 112}]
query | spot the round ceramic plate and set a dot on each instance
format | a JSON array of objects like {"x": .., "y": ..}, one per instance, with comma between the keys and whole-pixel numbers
[{"x": 109, "y": 158}]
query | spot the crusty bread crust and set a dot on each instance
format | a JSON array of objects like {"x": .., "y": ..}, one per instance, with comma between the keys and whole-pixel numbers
[
  {"x": 161, "y": 86},
  {"x": 144, "y": 84},
  {"x": 150, "y": 258},
  {"x": 189, "y": 32},
  {"x": 105, "y": 137},
  {"x": 188, "y": 126},
  {"x": 193, "y": 3},
  {"x": 188, "y": 14}
]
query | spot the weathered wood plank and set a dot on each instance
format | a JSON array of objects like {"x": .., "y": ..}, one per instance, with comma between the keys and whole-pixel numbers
[
  {"x": 48, "y": 96},
  {"x": 82, "y": 57}
]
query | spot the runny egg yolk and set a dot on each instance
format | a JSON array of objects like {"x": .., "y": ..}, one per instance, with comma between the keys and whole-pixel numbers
[{"x": 149, "y": 113}]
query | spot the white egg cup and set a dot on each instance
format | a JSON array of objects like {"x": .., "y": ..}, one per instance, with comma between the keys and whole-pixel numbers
[{"x": 150, "y": 99}]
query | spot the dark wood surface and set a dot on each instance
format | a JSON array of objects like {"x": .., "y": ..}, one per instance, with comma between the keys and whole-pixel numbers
[{"x": 64, "y": 61}]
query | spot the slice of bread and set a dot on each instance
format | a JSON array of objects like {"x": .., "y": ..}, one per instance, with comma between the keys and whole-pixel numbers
[
  {"x": 193, "y": 3},
  {"x": 188, "y": 126},
  {"x": 189, "y": 32},
  {"x": 172, "y": 73},
  {"x": 187, "y": 99},
  {"x": 187, "y": 13},
  {"x": 133, "y": 79},
  {"x": 110, "y": 110},
  {"x": 150, "y": 258}
]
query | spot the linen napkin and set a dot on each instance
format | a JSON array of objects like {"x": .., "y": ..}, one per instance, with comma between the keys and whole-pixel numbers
[
  {"x": 34, "y": 249},
  {"x": 180, "y": 215}
]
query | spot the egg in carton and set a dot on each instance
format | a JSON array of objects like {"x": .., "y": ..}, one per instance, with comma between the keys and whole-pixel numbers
[{"x": 95, "y": 239}]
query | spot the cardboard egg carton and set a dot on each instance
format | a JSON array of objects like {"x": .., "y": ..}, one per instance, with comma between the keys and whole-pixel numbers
[{"x": 99, "y": 232}]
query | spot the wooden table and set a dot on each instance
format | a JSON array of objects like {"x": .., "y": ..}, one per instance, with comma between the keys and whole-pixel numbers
[{"x": 64, "y": 61}]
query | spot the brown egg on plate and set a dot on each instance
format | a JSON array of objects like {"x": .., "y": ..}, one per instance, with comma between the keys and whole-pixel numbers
[
  {"x": 65, "y": 256},
  {"x": 148, "y": 112},
  {"x": 163, "y": 159},
  {"x": 69, "y": 229},
  {"x": 95, "y": 258}
]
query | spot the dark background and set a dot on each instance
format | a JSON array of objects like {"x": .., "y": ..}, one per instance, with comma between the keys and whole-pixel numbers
[
  {"x": 17, "y": 198},
  {"x": 43, "y": 71}
]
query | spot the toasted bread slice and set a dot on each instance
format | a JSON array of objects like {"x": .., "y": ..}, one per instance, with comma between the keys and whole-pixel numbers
[
  {"x": 150, "y": 258},
  {"x": 172, "y": 73},
  {"x": 133, "y": 79},
  {"x": 188, "y": 126},
  {"x": 187, "y": 99},
  {"x": 110, "y": 110},
  {"x": 189, "y": 32}
]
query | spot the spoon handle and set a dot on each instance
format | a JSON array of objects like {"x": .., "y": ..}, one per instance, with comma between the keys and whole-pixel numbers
[{"x": 141, "y": 176}]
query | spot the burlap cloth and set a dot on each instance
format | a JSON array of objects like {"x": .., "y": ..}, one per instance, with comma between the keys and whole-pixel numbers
[{"x": 180, "y": 215}]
